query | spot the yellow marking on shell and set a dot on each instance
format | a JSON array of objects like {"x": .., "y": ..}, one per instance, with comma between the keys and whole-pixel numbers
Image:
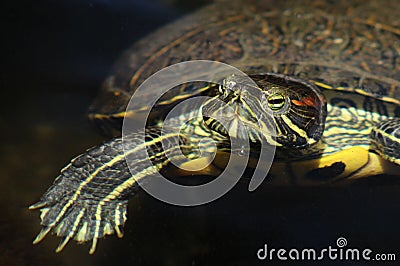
[
  {"x": 391, "y": 100},
  {"x": 72, "y": 232},
  {"x": 396, "y": 161},
  {"x": 377, "y": 165},
  {"x": 114, "y": 115},
  {"x": 322, "y": 85},
  {"x": 354, "y": 159},
  {"x": 81, "y": 235},
  {"x": 329, "y": 87},
  {"x": 42, "y": 234},
  {"x": 360, "y": 91},
  {"x": 329, "y": 150},
  {"x": 180, "y": 97}
]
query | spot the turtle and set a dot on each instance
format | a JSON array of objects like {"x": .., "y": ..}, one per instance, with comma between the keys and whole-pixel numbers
[{"x": 326, "y": 75}]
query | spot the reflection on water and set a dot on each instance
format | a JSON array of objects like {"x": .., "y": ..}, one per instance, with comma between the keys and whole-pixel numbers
[{"x": 49, "y": 83}]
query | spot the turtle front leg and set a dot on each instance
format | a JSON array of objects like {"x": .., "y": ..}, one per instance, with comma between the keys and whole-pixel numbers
[
  {"x": 385, "y": 139},
  {"x": 88, "y": 200},
  {"x": 78, "y": 205}
]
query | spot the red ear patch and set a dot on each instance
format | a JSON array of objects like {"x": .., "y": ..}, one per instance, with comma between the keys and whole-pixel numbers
[{"x": 306, "y": 101}]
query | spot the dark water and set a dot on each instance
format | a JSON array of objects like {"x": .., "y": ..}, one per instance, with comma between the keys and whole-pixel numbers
[{"x": 56, "y": 56}]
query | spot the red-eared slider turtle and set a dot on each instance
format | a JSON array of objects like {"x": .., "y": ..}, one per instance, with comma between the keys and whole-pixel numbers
[{"x": 333, "y": 97}]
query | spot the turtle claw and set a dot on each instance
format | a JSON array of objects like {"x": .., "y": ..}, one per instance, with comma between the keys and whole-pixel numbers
[
  {"x": 42, "y": 234},
  {"x": 74, "y": 209},
  {"x": 38, "y": 205}
]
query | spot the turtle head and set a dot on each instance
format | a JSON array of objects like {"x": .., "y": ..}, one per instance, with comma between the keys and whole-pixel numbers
[{"x": 279, "y": 109}]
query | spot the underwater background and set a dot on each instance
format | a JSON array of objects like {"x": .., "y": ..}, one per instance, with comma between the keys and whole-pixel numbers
[{"x": 56, "y": 55}]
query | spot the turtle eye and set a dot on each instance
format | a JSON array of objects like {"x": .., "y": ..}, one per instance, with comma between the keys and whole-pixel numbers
[{"x": 276, "y": 101}]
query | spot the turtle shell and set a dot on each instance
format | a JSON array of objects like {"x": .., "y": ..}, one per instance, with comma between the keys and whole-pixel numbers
[{"x": 335, "y": 44}]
